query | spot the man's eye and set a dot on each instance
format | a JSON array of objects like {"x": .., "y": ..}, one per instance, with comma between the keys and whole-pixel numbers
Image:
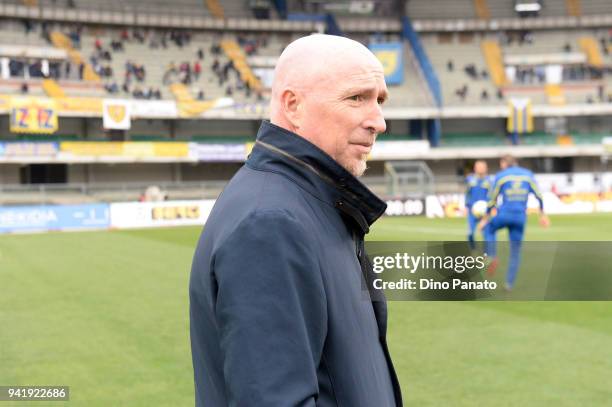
[{"x": 356, "y": 98}]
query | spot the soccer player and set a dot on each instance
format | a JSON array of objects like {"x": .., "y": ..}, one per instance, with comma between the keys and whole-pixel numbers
[
  {"x": 513, "y": 184},
  {"x": 478, "y": 184}
]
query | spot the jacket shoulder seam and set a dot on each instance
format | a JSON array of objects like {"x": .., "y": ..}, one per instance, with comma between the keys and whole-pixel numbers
[{"x": 292, "y": 180}]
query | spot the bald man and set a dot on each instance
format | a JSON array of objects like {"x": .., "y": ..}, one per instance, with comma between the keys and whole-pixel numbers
[{"x": 282, "y": 308}]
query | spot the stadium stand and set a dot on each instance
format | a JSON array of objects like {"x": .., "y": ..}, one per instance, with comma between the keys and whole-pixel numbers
[
  {"x": 445, "y": 9},
  {"x": 482, "y": 9},
  {"x": 596, "y": 7},
  {"x": 501, "y": 9},
  {"x": 197, "y": 65},
  {"x": 451, "y": 55}
]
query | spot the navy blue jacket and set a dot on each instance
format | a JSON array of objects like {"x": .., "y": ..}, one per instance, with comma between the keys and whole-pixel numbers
[{"x": 280, "y": 314}]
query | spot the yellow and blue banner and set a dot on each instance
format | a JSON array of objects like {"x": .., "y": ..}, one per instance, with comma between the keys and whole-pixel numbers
[
  {"x": 391, "y": 56},
  {"x": 33, "y": 115},
  {"x": 520, "y": 117},
  {"x": 131, "y": 149}
]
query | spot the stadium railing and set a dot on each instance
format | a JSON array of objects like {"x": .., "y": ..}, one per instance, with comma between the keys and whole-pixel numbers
[{"x": 76, "y": 193}]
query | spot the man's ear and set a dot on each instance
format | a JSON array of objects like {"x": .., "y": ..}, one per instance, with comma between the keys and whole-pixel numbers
[{"x": 291, "y": 104}]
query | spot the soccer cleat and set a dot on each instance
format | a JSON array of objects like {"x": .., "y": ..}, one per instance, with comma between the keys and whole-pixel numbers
[
  {"x": 492, "y": 267},
  {"x": 507, "y": 287}
]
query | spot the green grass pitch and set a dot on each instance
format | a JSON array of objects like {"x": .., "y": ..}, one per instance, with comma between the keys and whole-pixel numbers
[{"x": 107, "y": 314}]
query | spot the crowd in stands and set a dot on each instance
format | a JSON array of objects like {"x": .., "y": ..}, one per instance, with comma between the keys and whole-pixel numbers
[
  {"x": 473, "y": 74},
  {"x": 251, "y": 45},
  {"x": 522, "y": 37},
  {"x": 135, "y": 73},
  {"x": 132, "y": 79},
  {"x": 211, "y": 65}
]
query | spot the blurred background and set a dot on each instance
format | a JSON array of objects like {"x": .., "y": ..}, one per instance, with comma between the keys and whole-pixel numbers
[
  {"x": 118, "y": 116},
  {"x": 101, "y": 100}
]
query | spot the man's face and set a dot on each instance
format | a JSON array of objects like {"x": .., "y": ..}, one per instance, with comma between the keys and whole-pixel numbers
[
  {"x": 480, "y": 168},
  {"x": 342, "y": 114}
]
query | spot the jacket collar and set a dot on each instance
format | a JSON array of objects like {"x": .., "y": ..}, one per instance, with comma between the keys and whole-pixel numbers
[{"x": 282, "y": 151}]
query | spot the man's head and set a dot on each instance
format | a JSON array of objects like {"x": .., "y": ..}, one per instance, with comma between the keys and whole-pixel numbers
[
  {"x": 329, "y": 89},
  {"x": 507, "y": 161},
  {"x": 480, "y": 168}
]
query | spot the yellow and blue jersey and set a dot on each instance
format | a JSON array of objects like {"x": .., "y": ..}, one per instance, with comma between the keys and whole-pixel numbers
[
  {"x": 513, "y": 185},
  {"x": 477, "y": 189}
]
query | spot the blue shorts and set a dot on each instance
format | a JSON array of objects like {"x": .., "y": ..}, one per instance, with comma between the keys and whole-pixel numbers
[{"x": 513, "y": 221}]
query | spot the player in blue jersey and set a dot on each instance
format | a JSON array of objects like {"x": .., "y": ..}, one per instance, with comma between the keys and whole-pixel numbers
[
  {"x": 478, "y": 184},
  {"x": 509, "y": 195}
]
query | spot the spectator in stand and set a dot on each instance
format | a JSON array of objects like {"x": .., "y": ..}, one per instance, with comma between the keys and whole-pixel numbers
[
  {"x": 180, "y": 37},
  {"x": 604, "y": 46},
  {"x": 81, "y": 70},
  {"x": 484, "y": 96},
  {"x": 45, "y": 33},
  {"x": 137, "y": 93},
  {"x": 200, "y": 94},
  {"x": 141, "y": 73},
  {"x": 75, "y": 37},
  {"x": 16, "y": 68},
  {"x": 35, "y": 69},
  {"x": 169, "y": 73},
  {"x": 27, "y": 25},
  {"x": 215, "y": 49},
  {"x": 98, "y": 44},
  {"x": 200, "y": 54},
  {"x": 450, "y": 66},
  {"x": 229, "y": 65},
  {"x": 111, "y": 87},
  {"x": 462, "y": 92},
  {"x": 185, "y": 73},
  {"x": 471, "y": 71},
  {"x": 229, "y": 91},
  {"x": 154, "y": 42},
  {"x": 55, "y": 70},
  {"x": 139, "y": 35},
  {"x": 116, "y": 45},
  {"x": 197, "y": 70},
  {"x": 24, "y": 88}
]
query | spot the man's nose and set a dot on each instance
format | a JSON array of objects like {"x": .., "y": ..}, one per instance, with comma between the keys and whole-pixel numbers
[{"x": 375, "y": 121}]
